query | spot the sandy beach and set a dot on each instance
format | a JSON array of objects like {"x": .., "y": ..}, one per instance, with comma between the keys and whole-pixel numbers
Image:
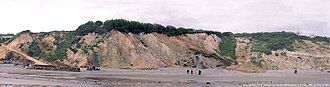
[{"x": 170, "y": 77}]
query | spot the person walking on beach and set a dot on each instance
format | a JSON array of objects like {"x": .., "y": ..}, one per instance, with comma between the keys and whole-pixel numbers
[
  {"x": 295, "y": 71},
  {"x": 199, "y": 72},
  {"x": 191, "y": 72},
  {"x": 188, "y": 71}
]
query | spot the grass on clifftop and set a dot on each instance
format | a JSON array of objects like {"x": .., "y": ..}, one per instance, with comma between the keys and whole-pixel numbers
[{"x": 133, "y": 27}]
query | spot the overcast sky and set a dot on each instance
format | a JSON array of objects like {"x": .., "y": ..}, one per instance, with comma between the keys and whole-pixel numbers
[{"x": 306, "y": 16}]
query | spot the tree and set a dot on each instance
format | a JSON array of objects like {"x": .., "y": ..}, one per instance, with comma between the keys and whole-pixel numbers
[
  {"x": 98, "y": 23},
  {"x": 100, "y": 30},
  {"x": 89, "y": 27},
  {"x": 159, "y": 28}
]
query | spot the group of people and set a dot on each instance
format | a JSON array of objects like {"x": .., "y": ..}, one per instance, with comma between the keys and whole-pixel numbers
[{"x": 192, "y": 72}]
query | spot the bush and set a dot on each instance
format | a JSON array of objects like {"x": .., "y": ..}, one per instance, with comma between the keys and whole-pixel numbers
[{"x": 88, "y": 27}]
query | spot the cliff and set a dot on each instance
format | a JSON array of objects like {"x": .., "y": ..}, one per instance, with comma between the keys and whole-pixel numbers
[{"x": 133, "y": 47}]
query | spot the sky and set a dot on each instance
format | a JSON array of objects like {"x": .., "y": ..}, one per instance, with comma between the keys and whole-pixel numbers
[{"x": 310, "y": 17}]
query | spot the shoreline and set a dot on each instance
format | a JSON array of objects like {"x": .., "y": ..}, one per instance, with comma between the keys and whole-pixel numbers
[{"x": 164, "y": 77}]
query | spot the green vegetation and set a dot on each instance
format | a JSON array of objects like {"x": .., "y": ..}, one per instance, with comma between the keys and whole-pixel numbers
[
  {"x": 274, "y": 41},
  {"x": 62, "y": 47},
  {"x": 57, "y": 38},
  {"x": 88, "y": 27},
  {"x": 227, "y": 45},
  {"x": 133, "y": 27},
  {"x": 34, "y": 49},
  {"x": 266, "y": 42},
  {"x": 60, "y": 52}
]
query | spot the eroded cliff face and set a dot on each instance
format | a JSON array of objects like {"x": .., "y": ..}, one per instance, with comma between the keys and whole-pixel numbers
[
  {"x": 307, "y": 55},
  {"x": 244, "y": 56},
  {"x": 49, "y": 42},
  {"x": 146, "y": 51}
]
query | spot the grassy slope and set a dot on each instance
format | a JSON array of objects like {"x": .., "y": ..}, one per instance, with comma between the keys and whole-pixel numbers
[{"x": 267, "y": 41}]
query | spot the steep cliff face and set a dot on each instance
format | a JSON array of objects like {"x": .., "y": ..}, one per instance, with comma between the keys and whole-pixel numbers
[{"x": 145, "y": 51}]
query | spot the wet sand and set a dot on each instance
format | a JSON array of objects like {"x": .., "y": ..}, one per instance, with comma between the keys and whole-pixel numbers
[{"x": 170, "y": 77}]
